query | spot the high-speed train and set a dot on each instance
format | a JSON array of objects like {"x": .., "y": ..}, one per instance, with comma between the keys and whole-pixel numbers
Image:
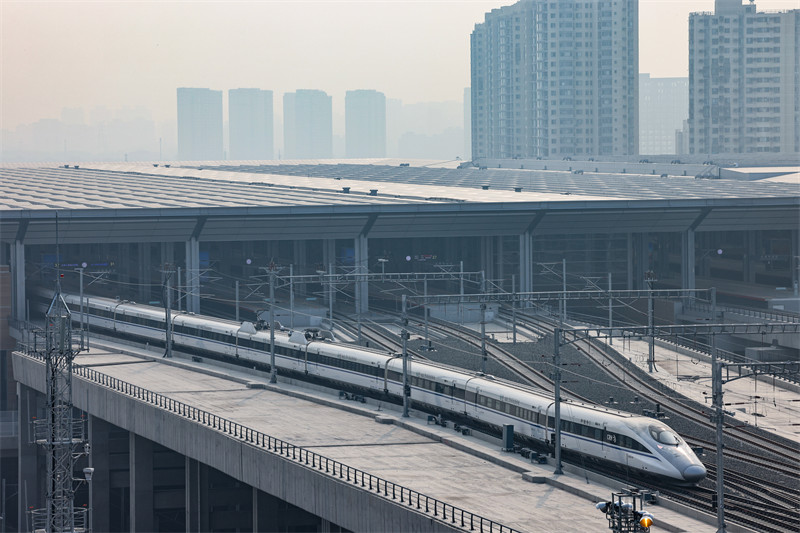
[{"x": 640, "y": 444}]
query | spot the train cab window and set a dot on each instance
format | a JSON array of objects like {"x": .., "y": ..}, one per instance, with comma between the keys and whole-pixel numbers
[{"x": 663, "y": 435}]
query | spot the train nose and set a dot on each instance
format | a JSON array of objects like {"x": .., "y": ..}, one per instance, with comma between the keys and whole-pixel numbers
[{"x": 694, "y": 473}]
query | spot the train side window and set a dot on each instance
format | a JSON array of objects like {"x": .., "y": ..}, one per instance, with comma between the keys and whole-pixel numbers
[
  {"x": 471, "y": 397},
  {"x": 598, "y": 434},
  {"x": 458, "y": 393}
]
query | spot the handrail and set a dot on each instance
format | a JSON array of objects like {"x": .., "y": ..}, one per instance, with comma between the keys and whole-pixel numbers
[
  {"x": 766, "y": 314},
  {"x": 382, "y": 487}
]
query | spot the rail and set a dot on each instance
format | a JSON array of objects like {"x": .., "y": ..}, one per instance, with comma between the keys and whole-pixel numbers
[{"x": 441, "y": 510}]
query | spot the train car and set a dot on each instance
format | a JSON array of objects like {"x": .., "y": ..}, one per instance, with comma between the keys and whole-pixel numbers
[{"x": 635, "y": 443}]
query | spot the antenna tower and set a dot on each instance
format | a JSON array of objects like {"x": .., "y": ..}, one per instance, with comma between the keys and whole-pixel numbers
[{"x": 62, "y": 436}]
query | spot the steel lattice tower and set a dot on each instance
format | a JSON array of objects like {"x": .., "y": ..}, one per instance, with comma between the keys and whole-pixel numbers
[{"x": 59, "y": 433}]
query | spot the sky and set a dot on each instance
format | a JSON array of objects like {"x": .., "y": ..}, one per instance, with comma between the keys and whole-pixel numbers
[{"x": 67, "y": 54}]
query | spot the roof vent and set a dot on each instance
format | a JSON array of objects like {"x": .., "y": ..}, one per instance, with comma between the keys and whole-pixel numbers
[
  {"x": 373, "y": 192},
  {"x": 66, "y": 166},
  {"x": 76, "y": 166},
  {"x": 485, "y": 187},
  {"x": 155, "y": 164},
  {"x": 166, "y": 166},
  {"x": 517, "y": 189},
  {"x": 346, "y": 190}
]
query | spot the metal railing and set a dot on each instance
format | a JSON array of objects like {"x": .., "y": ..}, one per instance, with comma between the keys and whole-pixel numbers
[
  {"x": 440, "y": 510},
  {"x": 765, "y": 314}
]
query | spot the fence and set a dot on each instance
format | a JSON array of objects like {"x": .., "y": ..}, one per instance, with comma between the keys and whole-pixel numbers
[{"x": 414, "y": 499}]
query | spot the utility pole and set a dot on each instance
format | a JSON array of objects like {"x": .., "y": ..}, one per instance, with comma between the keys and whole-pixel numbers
[
  {"x": 80, "y": 270},
  {"x": 330, "y": 294},
  {"x": 564, "y": 288},
  {"x": 513, "y": 308},
  {"x": 273, "y": 371},
  {"x": 610, "y": 310},
  {"x": 237, "y": 300},
  {"x": 425, "y": 311},
  {"x": 557, "y": 398},
  {"x": 404, "y": 338},
  {"x": 461, "y": 291},
  {"x": 651, "y": 354},
  {"x": 168, "y": 312},
  {"x": 719, "y": 419},
  {"x": 291, "y": 297}
]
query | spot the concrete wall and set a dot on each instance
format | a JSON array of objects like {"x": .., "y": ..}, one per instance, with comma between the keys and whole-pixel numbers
[{"x": 334, "y": 500}]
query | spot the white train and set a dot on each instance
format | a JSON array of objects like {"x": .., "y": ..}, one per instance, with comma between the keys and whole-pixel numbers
[{"x": 641, "y": 444}]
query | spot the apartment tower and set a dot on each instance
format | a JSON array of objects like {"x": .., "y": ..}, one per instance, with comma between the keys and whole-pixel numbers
[
  {"x": 556, "y": 79},
  {"x": 199, "y": 124},
  {"x": 250, "y": 124},
  {"x": 744, "y": 94}
]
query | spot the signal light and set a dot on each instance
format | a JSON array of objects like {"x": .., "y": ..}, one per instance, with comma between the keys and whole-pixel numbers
[{"x": 645, "y": 518}]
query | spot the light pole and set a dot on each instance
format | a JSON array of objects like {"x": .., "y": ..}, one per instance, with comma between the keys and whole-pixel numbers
[{"x": 80, "y": 270}]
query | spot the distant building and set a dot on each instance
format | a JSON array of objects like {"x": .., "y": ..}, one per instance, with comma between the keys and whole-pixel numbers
[
  {"x": 743, "y": 87},
  {"x": 365, "y": 124},
  {"x": 250, "y": 124},
  {"x": 553, "y": 79},
  {"x": 663, "y": 106},
  {"x": 307, "y": 125},
  {"x": 199, "y": 124}
]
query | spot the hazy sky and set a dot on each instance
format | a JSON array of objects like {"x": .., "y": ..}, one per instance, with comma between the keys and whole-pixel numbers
[{"x": 136, "y": 53}]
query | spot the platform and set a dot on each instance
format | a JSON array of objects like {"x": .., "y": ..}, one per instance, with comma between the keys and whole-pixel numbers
[{"x": 770, "y": 404}]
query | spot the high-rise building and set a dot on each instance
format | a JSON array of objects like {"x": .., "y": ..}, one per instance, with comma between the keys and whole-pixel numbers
[
  {"x": 744, "y": 93},
  {"x": 556, "y": 78},
  {"x": 663, "y": 106},
  {"x": 199, "y": 124},
  {"x": 307, "y": 125},
  {"x": 365, "y": 124},
  {"x": 250, "y": 124}
]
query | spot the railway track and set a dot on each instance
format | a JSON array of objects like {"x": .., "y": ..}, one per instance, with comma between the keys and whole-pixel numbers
[{"x": 752, "y": 501}]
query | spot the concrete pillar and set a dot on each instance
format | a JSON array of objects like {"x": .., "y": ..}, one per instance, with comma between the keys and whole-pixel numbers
[
  {"x": 328, "y": 259},
  {"x": 687, "y": 260},
  {"x": 361, "y": 246},
  {"x": 99, "y": 431},
  {"x": 141, "y": 480},
  {"x": 750, "y": 257},
  {"x": 643, "y": 257},
  {"x": 18, "y": 279},
  {"x": 487, "y": 256},
  {"x": 192, "y": 282},
  {"x": 197, "y": 504},
  {"x": 145, "y": 271},
  {"x": 526, "y": 262},
  {"x": 629, "y": 274},
  {"x": 124, "y": 268},
  {"x": 192, "y": 493},
  {"x": 500, "y": 261},
  {"x": 28, "y": 471}
]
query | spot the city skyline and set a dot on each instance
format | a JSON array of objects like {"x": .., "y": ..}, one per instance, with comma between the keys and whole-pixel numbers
[{"x": 47, "y": 65}]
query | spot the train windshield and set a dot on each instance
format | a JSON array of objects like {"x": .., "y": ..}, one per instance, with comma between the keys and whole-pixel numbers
[{"x": 664, "y": 435}]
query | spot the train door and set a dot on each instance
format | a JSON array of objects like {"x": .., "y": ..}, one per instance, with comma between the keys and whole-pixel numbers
[{"x": 608, "y": 438}]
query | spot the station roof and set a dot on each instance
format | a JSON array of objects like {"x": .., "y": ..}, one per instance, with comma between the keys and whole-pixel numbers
[{"x": 122, "y": 202}]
